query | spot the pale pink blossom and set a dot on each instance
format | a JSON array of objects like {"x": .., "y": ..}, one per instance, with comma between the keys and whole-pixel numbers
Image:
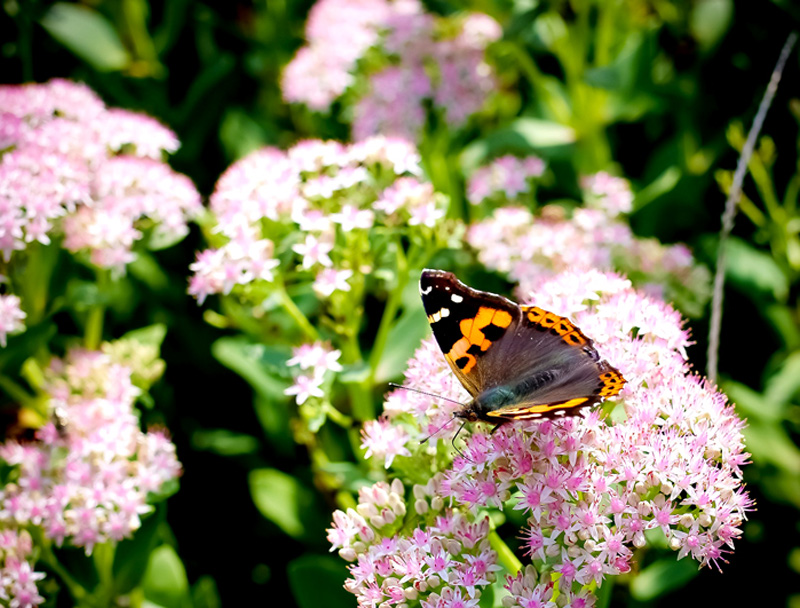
[
  {"x": 88, "y": 482},
  {"x": 11, "y": 317},
  {"x": 331, "y": 280},
  {"x": 384, "y": 440}
]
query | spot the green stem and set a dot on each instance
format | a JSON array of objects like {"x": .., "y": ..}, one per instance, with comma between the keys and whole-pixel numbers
[
  {"x": 15, "y": 391},
  {"x": 94, "y": 327},
  {"x": 94, "y": 323},
  {"x": 302, "y": 321},
  {"x": 505, "y": 556},
  {"x": 389, "y": 313},
  {"x": 336, "y": 416},
  {"x": 47, "y": 556}
]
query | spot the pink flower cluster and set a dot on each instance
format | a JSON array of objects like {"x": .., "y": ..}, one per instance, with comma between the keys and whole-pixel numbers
[
  {"x": 507, "y": 175},
  {"x": 11, "y": 317},
  {"x": 419, "y": 63},
  {"x": 314, "y": 205},
  {"x": 17, "y": 577},
  {"x": 69, "y": 163},
  {"x": 666, "y": 456},
  {"x": 338, "y": 33},
  {"x": 87, "y": 476},
  {"x": 608, "y": 193},
  {"x": 528, "y": 246},
  {"x": 443, "y": 563},
  {"x": 314, "y": 360}
]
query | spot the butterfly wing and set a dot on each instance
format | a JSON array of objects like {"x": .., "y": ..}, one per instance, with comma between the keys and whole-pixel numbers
[
  {"x": 544, "y": 364},
  {"x": 466, "y": 324}
]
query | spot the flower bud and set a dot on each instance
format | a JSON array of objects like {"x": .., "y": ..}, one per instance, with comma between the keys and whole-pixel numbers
[{"x": 686, "y": 520}]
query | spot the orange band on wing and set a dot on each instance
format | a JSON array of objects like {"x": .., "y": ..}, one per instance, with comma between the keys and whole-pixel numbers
[{"x": 535, "y": 411}]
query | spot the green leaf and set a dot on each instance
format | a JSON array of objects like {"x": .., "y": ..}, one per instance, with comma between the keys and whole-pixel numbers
[
  {"x": 404, "y": 338},
  {"x": 752, "y": 404},
  {"x": 274, "y": 418},
  {"x": 317, "y": 580},
  {"x": 664, "y": 183},
  {"x": 523, "y": 136},
  {"x": 152, "y": 335},
  {"x": 224, "y": 442},
  {"x": 254, "y": 362},
  {"x": 88, "y": 34},
  {"x": 205, "y": 593},
  {"x": 662, "y": 576},
  {"x": 165, "y": 582},
  {"x": 538, "y": 133},
  {"x": 752, "y": 271},
  {"x": 283, "y": 500},
  {"x": 709, "y": 20},
  {"x": 784, "y": 384},
  {"x": 240, "y": 134},
  {"x": 145, "y": 268},
  {"x": 770, "y": 444},
  {"x": 20, "y": 347},
  {"x": 133, "y": 554}
]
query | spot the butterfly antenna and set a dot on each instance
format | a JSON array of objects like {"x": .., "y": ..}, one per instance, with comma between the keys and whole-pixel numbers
[
  {"x": 416, "y": 390},
  {"x": 462, "y": 454},
  {"x": 436, "y": 432}
]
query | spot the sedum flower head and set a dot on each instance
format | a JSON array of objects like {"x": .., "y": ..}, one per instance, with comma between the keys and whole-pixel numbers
[
  {"x": 68, "y": 163},
  {"x": 11, "y": 317},
  {"x": 506, "y": 175},
  {"x": 422, "y": 59},
  {"x": 311, "y": 212},
  {"x": 421, "y": 552},
  {"x": 665, "y": 457},
  {"x": 87, "y": 478},
  {"x": 528, "y": 246},
  {"x": 17, "y": 577}
]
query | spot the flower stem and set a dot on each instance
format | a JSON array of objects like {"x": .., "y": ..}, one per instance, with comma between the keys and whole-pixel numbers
[
  {"x": 505, "y": 555},
  {"x": 302, "y": 321},
  {"x": 94, "y": 323},
  {"x": 47, "y": 556},
  {"x": 389, "y": 313},
  {"x": 15, "y": 391}
]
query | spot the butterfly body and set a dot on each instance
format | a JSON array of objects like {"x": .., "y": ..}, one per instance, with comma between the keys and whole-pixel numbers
[{"x": 517, "y": 362}]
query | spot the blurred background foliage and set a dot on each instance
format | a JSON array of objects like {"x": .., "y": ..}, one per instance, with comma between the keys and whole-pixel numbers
[{"x": 663, "y": 91}]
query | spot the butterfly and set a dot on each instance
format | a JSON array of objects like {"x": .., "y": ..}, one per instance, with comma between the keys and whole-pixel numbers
[{"x": 517, "y": 362}]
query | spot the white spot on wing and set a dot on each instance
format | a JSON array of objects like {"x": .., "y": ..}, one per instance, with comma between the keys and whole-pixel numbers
[
  {"x": 457, "y": 298},
  {"x": 445, "y": 312},
  {"x": 425, "y": 292}
]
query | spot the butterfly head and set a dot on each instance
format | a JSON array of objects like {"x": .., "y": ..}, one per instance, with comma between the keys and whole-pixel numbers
[{"x": 488, "y": 401}]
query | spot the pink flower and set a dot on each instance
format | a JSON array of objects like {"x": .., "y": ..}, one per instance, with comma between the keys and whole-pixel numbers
[
  {"x": 11, "y": 317},
  {"x": 88, "y": 482},
  {"x": 306, "y": 386},
  {"x": 330, "y": 280},
  {"x": 317, "y": 356},
  {"x": 506, "y": 174},
  {"x": 314, "y": 251},
  {"x": 95, "y": 172},
  {"x": 611, "y": 194},
  {"x": 338, "y": 32},
  {"x": 669, "y": 456},
  {"x": 396, "y": 96},
  {"x": 351, "y": 217},
  {"x": 383, "y": 440},
  {"x": 446, "y": 560}
]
